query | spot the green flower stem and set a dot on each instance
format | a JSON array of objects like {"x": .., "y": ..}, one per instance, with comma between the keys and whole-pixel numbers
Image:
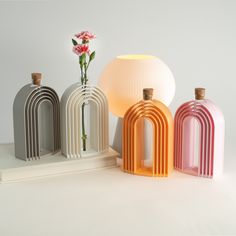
[
  {"x": 83, "y": 68},
  {"x": 81, "y": 71},
  {"x": 84, "y": 65},
  {"x": 84, "y": 136}
]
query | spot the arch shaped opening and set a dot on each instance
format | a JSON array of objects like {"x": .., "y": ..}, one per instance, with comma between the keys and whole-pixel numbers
[
  {"x": 191, "y": 145},
  {"x": 95, "y": 121},
  {"x": 45, "y": 128},
  {"x": 205, "y": 146},
  {"x": 144, "y": 146},
  {"x": 34, "y": 108},
  {"x": 91, "y": 125}
]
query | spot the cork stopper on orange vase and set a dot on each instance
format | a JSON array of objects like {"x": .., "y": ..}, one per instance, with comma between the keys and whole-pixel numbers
[
  {"x": 36, "y": 78},
  {"x": 200, "y": 93},
  {"x": 147, "y": 93}
]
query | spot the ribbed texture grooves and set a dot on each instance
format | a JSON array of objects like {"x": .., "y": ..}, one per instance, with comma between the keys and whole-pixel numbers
[
  {"x": 71, "y": 120},
  {"x": 162, "y": 128},
  {"x": 207, "y": 134},
  {"x": 37, "y": 96}
]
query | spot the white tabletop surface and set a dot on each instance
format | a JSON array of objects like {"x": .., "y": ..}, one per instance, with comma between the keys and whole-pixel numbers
[{"x": 110, "y": 202}]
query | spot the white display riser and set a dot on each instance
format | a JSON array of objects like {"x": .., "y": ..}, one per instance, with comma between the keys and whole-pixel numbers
[{"x": 13, "y": 169}]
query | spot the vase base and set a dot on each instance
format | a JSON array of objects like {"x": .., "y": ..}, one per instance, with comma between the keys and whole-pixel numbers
[{"x": 13, "y": 169}]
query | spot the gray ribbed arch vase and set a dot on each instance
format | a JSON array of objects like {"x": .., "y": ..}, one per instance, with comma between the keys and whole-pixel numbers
[{"x": 36, "y": 117}]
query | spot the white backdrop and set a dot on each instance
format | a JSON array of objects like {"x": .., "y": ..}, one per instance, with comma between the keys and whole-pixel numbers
[{"x": 195, "y": 38}]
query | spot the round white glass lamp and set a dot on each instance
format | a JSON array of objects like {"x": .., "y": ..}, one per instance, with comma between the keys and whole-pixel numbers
[{"x": 124, "y": 78}]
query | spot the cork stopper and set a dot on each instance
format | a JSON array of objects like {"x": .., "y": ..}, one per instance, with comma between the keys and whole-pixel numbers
[
  {"x": 199, "y": 93},
  {"x": 36, "y": 78},
  {"x": 147, "y": 93}
]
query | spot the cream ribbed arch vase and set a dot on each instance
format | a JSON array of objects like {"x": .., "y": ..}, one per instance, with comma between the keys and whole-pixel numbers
[{"x": 96, "y": 117}]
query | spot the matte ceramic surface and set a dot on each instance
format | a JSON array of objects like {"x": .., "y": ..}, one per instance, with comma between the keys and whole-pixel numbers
[
  {"x": 36, "y": 118},
  {"x": 133, "y": 143},
  {"x": 71, "y": 103},
  {"x": 209, "y": 145}
]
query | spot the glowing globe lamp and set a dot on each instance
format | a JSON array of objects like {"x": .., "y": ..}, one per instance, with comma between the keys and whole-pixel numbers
[{"x": 124, "y": 78}]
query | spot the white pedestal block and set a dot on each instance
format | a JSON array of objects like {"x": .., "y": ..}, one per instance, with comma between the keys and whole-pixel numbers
[{"x": 13, "y": 169}]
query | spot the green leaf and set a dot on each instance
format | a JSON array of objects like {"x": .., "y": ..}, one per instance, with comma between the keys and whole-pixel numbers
[
  {"x": 92, "y": 56},
  {"x": 74, "y": 42}
]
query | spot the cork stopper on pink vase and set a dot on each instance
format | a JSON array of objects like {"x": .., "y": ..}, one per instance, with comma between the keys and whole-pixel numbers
[
  {"x": 36, "y": 78},
  {"x": 199, "y": 137},
  {"x": 200, "y": 93}
]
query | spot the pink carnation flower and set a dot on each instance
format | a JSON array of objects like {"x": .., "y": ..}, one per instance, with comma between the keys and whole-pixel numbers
[
  {"x": 85, "y": 35},
  {"x": 81, "y": 49}
]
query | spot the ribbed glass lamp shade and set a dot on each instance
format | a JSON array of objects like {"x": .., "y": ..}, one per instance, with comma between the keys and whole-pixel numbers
[{"x": 124, "y": 78}]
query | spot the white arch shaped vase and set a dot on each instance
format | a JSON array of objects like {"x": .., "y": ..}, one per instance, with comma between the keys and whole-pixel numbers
[{"x": 96, "y": 121}]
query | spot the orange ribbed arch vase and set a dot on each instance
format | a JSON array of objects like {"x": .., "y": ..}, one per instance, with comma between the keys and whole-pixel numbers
[{"x": 133, "y": 140}]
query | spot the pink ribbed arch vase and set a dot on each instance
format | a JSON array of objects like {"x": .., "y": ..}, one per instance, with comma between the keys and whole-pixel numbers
[{"x": 199, "y": 137}]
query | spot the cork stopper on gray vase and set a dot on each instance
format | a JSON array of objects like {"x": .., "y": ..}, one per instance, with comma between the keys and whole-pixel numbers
[
  {"x": 200, "y": 93},
  {"x": 36, "y": 78},
  {"x": 147, "y": 93}
]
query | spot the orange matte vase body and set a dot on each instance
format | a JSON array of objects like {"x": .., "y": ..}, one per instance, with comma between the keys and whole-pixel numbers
[{"x": 133, "y": 139}]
